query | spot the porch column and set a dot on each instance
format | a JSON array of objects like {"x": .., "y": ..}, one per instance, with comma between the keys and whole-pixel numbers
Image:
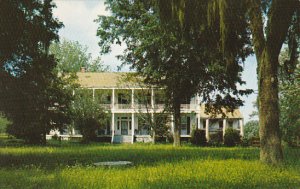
[
  {"x": 207, "y": 129},
  {"x": 198, "y": 120},
  {"x": 241, "y": 127},
  {"x": 93, "y": 94},
  {"x": 113, "y": 99},
  {"x": 132, "y": 98},
  {"x": 132, "y": 127},
  {"x": 112, "y": 127},
  {"x": 152, "y": 98},
  {"x": 172, "y": 123},
  {"x": 224, "y": 126}
]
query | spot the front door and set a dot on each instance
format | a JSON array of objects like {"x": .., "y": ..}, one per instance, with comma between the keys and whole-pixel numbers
[{"x": 124, "y": 127}]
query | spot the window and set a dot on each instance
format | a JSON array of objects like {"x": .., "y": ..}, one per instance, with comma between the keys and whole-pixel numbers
[
  {"x": 185, "y": 125},
  {"x": 221, "y": 124},
  {"x": 204, "y": 124},
  {"x": 143, "y": 128},
  {"x": 123, "y": 99}
]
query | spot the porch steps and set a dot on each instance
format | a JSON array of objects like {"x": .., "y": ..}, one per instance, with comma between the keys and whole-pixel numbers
[{"x": 122, "y": 139}]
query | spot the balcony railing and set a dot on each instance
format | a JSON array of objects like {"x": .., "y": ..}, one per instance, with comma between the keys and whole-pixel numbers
[
  {"x": 144, "y": 107},
  {"x": 106, "y": 106},
  {"x": 123, "y": 106},
  {"x": 188, "y": 106}
]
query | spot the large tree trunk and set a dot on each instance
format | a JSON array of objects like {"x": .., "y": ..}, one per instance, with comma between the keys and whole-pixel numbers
[
  {"x": 270, "y": 142},
  {"x": 153, "y": 136},
  {"x": 177, "y": 124}
]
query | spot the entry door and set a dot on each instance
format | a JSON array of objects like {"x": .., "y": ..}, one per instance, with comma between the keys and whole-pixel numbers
[{"x": 124, "y": 127}]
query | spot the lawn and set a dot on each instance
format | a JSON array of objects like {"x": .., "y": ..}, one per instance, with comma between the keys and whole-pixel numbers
[{"x": 69, "y": 165}]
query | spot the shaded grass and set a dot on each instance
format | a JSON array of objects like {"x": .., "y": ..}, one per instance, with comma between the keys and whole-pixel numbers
[{"x": 69, "y": 165}]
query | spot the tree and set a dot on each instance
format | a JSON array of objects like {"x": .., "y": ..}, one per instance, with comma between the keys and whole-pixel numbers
[
  {"x": 232, "y": 19},
  {"x": 32, "y": 94},
  {"x": 72, "y": 56},
  {"x": 289, "y": 98},
  {"x": 3, "y": 124},
  {"x": 88, "y": 115},
  {"x": 166, "y": 60},
  {"x": 251, "y": 129}
]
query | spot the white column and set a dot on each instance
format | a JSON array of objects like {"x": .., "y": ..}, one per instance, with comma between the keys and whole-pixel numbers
[
  {"x": 207, "y": 129},
  {"x": 132, "y": 127},
  {"x": 198, "y": 119},
  {"x": 73, "y": 131},
  {"x": 132, "y": 98},
  {"x": 112, "y": 127},
  {"x": 241, "y": 127},
  {"x": 93, "y": 94},
  {"x": 113, "y": 99},
  {"x": 172, "y": 124},
  {"x": 224, "y": 126},
  {"x": 152, "y": 98}
]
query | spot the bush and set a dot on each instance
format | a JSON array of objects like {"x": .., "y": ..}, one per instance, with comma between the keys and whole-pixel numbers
[
  {"x": 170, "y": 138},
  {"x": 245, "y": 142},
  {"x": 251, "y": 129},
  {"x": 88, "y": 129},
  {"x": 198, "y": 137},
  {"x": 231, "y": 137},
  {"x": 216, "y": 139}
]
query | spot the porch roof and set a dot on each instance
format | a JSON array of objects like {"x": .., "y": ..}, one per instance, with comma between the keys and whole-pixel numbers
[
  {"x": 235, "y": 114},
  {"x": 103, "y": 80}
]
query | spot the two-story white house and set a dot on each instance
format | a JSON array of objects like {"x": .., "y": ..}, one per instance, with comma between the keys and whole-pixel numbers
[{"x": 127, "y": 101}]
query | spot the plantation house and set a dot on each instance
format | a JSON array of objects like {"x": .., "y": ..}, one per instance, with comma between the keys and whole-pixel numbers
[{"x": 129, "y": 104}]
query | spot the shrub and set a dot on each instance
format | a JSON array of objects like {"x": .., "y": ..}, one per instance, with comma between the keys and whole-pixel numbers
[
  {"x": 87, "y": 128},
  {"x": 198, "y": 137},
  {"x": 245, "y": 142},
  {"x": 231, "y": 137},
  {"x": 170, "y": 138},
  {"x": 251, "y": 129},
  {"x": 216, "y": 139},
  {"x": 87, "y": 115}
]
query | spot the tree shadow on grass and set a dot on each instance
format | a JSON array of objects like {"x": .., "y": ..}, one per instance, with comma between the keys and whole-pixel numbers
[{"x": 69, "y": 156}]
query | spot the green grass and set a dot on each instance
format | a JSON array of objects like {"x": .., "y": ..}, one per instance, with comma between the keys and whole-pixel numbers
[{"x": 69, "y": 165}]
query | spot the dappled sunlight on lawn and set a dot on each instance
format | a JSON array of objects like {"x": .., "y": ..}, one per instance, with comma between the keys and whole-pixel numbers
[{"x": 154, "y": 166}]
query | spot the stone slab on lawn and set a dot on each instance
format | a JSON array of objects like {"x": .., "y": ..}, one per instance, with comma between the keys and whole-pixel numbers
[{"x": 113, "y": 163}]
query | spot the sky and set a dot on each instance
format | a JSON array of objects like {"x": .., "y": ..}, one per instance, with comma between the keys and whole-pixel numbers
[{"x": 78, "y": 18}]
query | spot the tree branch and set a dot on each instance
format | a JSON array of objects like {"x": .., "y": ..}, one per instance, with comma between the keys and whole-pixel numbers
[
  {"x": 279, "y": 19},
  {"x": 256, "y": 25}
]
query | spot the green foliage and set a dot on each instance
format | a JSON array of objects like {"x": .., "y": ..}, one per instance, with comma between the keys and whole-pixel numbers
[
  {"x": 216, "y": 139},
  {"x": 32, "y": 94},
  {"x": 41, "y": 106},
  {"x": 251, "y": 129},
  {"x": 198, "y": 137},
  {"x": 231, "y": 137},
  {"x": 155, "y": 166},
  {"x": 3, "y": 124},
  {"x": 71, "y": 56},
  {"x": 289, "y": 98},
  {"x": 88, "y": 115}
]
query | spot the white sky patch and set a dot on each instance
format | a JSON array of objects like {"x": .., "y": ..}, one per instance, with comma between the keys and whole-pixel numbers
[{"x": 78, "y": 17}]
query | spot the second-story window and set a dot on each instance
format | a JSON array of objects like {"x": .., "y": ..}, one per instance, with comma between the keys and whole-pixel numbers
[{"x": 123, "y": 99}]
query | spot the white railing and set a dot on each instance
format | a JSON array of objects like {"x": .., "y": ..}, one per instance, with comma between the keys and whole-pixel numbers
[
  {"x": 144, "y": 107},
  {"x": 106, "y": 106},
  {"x": 123, "y": 106},
  {"x": 159, "y": 106},
  {"x": 188, "y": 106}
]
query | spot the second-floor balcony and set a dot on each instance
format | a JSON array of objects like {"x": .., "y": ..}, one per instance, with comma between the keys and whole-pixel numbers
[{"x": 144, "y": 106}]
